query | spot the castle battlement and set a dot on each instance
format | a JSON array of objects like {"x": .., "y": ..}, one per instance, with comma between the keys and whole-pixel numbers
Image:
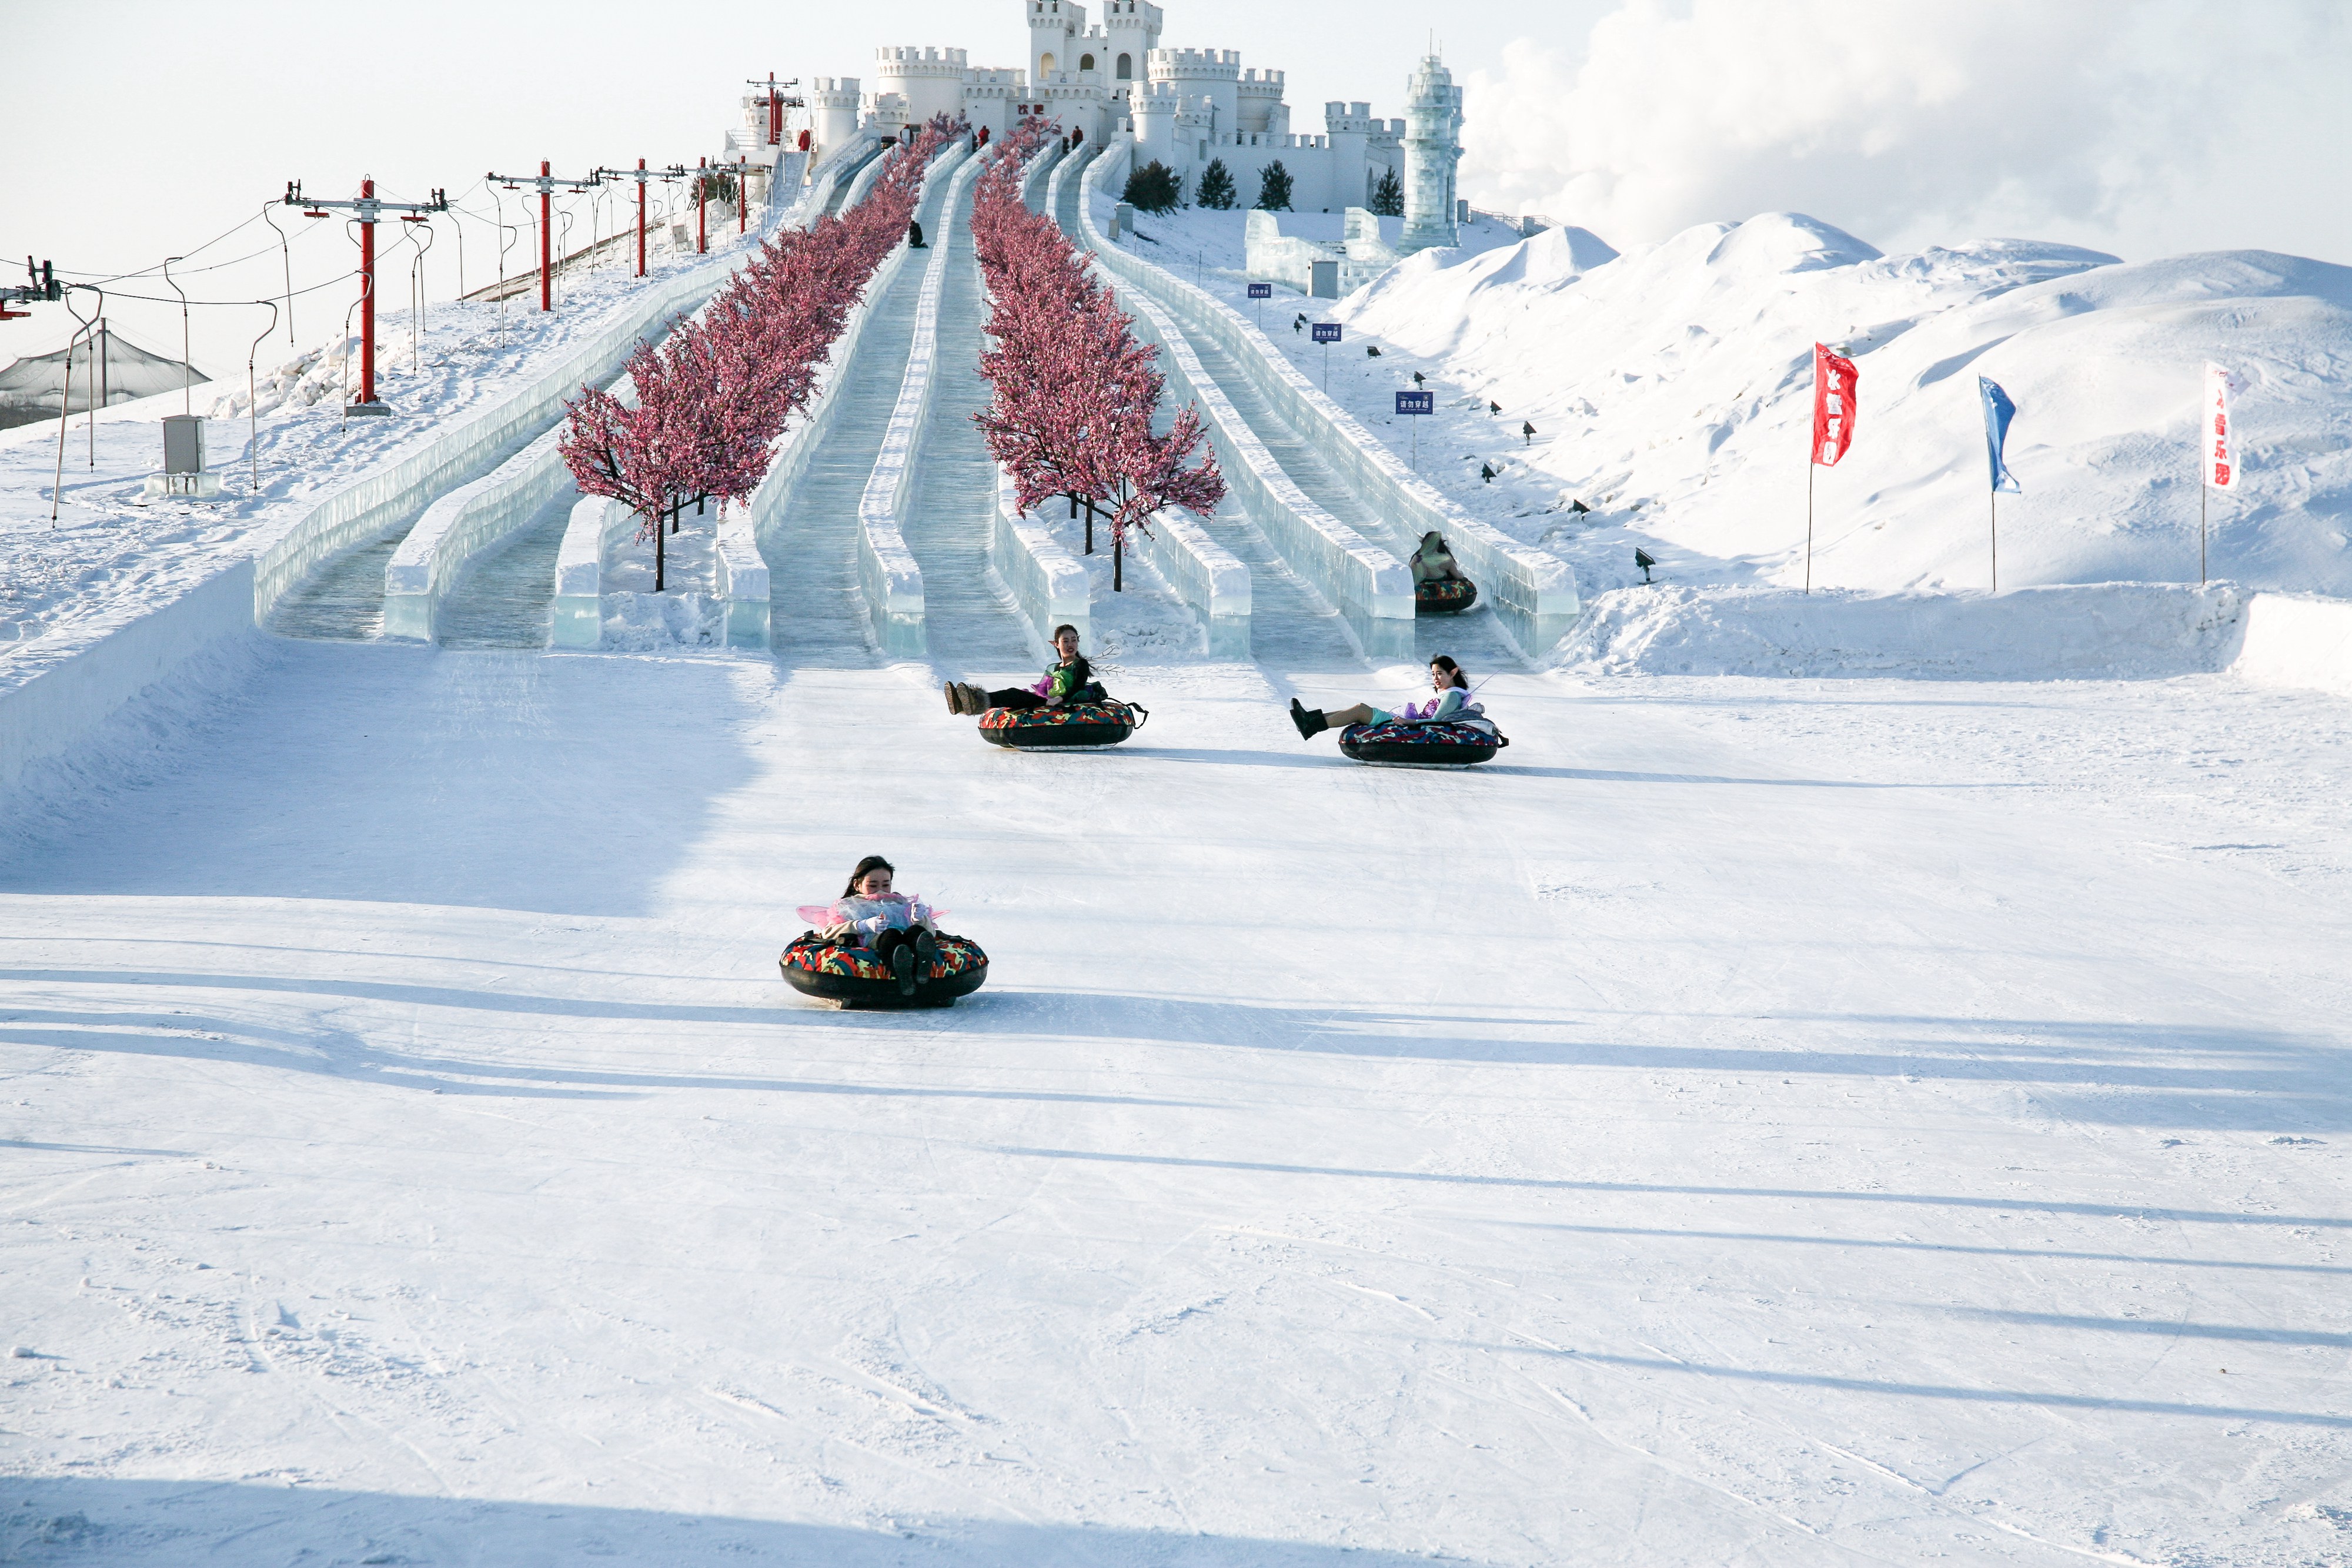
[
  {"x": 895, "y": 60},
  {"x": 1215, "y": 65}
]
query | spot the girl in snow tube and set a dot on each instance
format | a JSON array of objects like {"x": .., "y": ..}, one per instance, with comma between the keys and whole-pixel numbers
[
  {"x": 1068, "y": 707},
  {"x": 1438, "y": 586},
  {"x": 875, "y": 947},
  {"x": 1452, "y": 730}
]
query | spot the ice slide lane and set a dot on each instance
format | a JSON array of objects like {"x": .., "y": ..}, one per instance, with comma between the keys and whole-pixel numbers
[
  {"x": 1292, "y": 626},
  {"x": 506, "y": 598},
  {"x": 973, "y": 631},
  {"x": 817, "y": 612}
]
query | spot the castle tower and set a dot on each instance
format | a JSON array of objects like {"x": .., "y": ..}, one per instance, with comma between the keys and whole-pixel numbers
[
  {"x": 1257, "y": 103},
  {"x": 931, "y": 81},
  {"x": 1350, "y": 128},
  {"x": 1055, "y": 28},
  {"x": 1432, "y": 146},
  {"x": 1213, "y": 74},
  {"x": 833, "y": 114},
  {"x": 1130, "y": 31}
]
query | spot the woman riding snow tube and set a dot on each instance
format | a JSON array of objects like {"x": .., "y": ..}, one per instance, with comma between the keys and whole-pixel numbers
[
  {"x": 1068, "y": 707},
  {"x": 1452, "y": 731},
  {"x": 875, "y": 948},
  {"x": 1438, "y": 586}
]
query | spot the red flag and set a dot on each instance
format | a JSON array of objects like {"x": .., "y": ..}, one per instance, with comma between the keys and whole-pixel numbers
[{"x": 1834, "y": 379}]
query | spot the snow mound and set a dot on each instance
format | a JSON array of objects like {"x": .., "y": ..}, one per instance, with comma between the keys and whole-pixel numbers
[
  {"x": 1669, "y": 388},
  {"x": 2129, "y": 629},
  {"x": 653, "y": 623}
]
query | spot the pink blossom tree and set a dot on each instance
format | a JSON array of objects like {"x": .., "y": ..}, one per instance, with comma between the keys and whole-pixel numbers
[{"x": 1076, "y": 396}]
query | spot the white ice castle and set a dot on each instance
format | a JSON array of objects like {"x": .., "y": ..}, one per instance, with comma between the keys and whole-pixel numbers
[{"x": 1186, "y": 108}]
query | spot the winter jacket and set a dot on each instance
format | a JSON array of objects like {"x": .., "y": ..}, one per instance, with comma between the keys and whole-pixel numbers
[
  {"x": 1432, "y": 562},
  {"x": 1450, "y": 706},
  {"x": 1071, "y": 681},
  {"x": 869, "y": 917}
]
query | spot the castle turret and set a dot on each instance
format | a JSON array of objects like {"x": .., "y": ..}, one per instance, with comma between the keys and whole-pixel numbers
[
  {"x": 1257, "y": 103},
  {"x": 1130, "y": 31},
  {"x": 1055, "y": 28},
  {"x": 833, "y": 114},
  {"x": 930, "y": 81},
  {"x": 1351, "y": 128},
  {"x": 1213, "y": 74},
  {"x": 1432, "y": 146}
]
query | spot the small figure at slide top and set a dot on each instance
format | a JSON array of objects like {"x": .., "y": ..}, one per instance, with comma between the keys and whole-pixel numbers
[
  {"x": 914, "y": 234},
  {"x": 1433, "y": 562}
]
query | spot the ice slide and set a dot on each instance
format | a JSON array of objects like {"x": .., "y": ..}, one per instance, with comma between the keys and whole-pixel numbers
[{"x": 503, "y": 591}]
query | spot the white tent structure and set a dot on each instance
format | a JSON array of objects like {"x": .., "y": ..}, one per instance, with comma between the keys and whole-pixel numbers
[{"x": 107, "y": 369}]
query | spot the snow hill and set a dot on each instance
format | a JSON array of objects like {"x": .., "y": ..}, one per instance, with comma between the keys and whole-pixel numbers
[{"x": 1672, "y": 385}]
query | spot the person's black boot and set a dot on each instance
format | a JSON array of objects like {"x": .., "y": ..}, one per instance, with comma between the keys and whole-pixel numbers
[
  {"x": 955, "y": 697},
  {"x": 902, "y": 964},
  {"x": 927, "y": 953},
  {"x": 1310, "y": 720}
]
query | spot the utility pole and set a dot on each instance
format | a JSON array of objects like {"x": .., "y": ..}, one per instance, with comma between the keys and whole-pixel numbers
[
  {"x": 368, "y": 212},
  {"x": 641, "y": 174},
  {"x": 42, "y": 289},
  {"x": 739, "y": 168},
  {"x": 778, "y": 101},
  {"x": 545, "y": 184}
]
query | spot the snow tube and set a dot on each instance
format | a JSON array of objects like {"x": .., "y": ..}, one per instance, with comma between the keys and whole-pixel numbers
[
  {"x": 852, "y": 978},
  {"x": 1072, "y": 724},
  {"x": 1443, "y": 745},
  {"x": 1447, "y": 598}
]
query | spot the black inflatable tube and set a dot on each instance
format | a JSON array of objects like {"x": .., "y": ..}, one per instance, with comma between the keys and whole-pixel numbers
[{"x": 855, "y": 991}]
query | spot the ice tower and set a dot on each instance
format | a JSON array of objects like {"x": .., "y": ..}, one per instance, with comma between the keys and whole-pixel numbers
[{"x": 1432, "y": 146}]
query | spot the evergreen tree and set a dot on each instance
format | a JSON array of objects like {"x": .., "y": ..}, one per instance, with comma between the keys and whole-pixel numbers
[
  {"x": 1274, "y": 188},
  {"x": 1216, "y": 188},
  {"x": 1154, "y": 188},
  {"x": 1388, "y": 196}
]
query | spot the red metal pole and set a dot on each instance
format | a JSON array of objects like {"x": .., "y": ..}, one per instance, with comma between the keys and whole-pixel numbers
[
  {"x": 546, "y": 242},
  {"x": 367, "y": 296},
  {"x": 742, "y": 195},
  {"x": 702, "y": 201},
  {"x": 641, "y": 220}
]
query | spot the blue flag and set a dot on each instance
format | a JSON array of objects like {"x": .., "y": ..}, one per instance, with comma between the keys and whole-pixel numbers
[{"x": 1999, "y": 411}]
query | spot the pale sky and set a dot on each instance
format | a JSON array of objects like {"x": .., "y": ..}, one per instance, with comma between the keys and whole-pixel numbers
[{"x": 138, "y": 129}]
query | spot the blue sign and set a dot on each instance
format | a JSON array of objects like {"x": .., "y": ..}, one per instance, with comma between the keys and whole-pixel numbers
[
  {"x": 1261, "y": 291},
  {"x": 1326, "y": 331},
  {"x": 1416, "y": 402}
]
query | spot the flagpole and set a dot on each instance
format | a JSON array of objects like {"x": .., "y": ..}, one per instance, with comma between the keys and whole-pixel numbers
[
  {"x": 1993, "y": 498},
  {"x": 2201, "y": 522},
  {"x": 1809, "y": 522}
]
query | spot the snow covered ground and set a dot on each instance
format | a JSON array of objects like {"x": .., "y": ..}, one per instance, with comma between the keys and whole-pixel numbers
[
  {"x": 1750, "y": 1121},
  {"x": 1669, "y": 388}
]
